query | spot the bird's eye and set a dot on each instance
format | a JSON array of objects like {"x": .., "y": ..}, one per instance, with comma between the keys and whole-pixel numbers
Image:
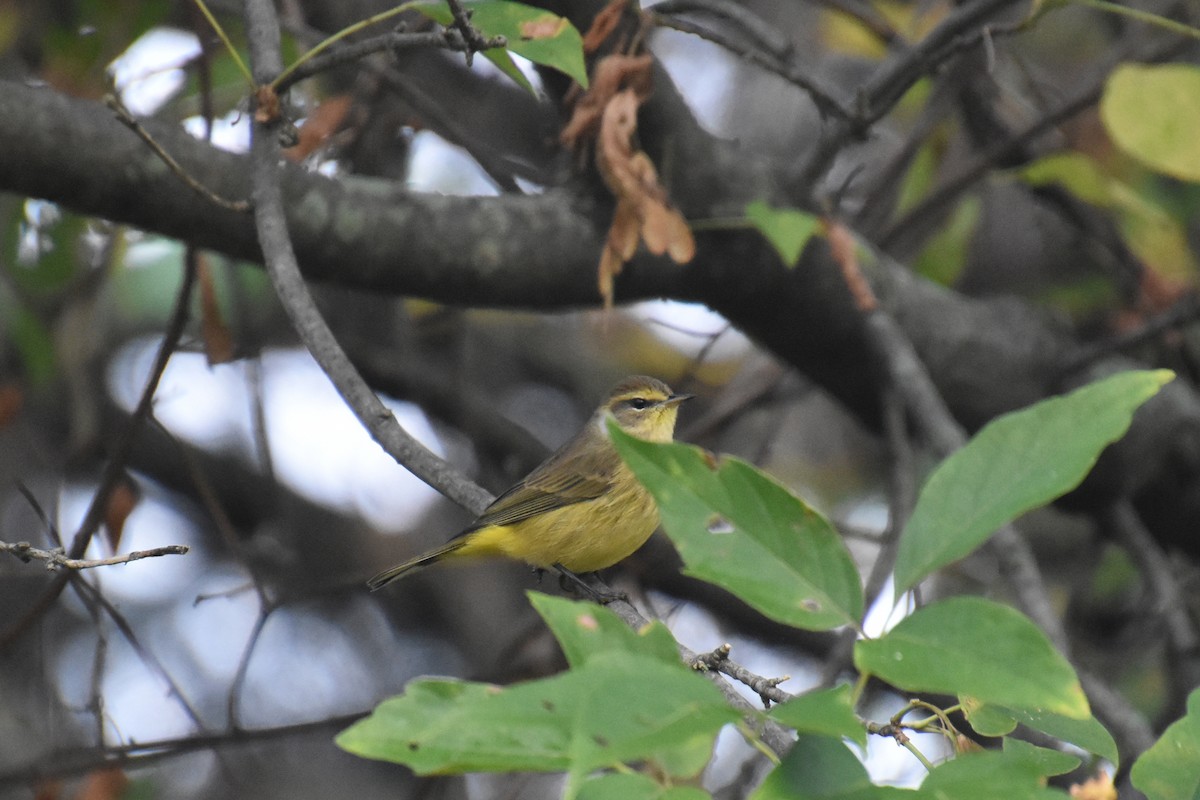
[{"x": 639, "y": 403}]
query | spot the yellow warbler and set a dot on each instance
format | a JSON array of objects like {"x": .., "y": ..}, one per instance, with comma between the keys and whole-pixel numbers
[{"x": 582, "y": 508}]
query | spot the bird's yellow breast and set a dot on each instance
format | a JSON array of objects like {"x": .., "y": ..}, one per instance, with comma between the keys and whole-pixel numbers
[{"x": 583, "y": 537}]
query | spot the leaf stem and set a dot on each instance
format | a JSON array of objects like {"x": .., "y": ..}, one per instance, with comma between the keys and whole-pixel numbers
[
  {"x": 325, "y": 44},
  {"x": 233, "y": 53}
]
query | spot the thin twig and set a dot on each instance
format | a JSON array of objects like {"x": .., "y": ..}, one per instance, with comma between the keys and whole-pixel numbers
[
  {"x": 1169, "y": 600},
  {"x": 474, "y": 39},
  {"x": 349, "y": 53},
  {"x": 127, "y": 118},
  {"x": 114, "y": 467},
  {"x": 263, "y": 31},
  {"x": 68, "y": 763},
  {"x": 57, "y": 559},
  {"x": 1184, "y": 312},
  {"x": 826, "y": 103}
]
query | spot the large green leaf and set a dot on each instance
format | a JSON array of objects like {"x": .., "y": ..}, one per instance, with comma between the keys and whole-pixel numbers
[
  {"x": 616, "y": 708},
  {"x": 787, "y": 229},
  {"x": 975, "y": 647},
  {"x": 1016, "y": 463},
  {"x": 1016, "y": 774},
  {"x": 534, "y": 33},
  {"x": 738, "y": 528},
  {"x": 826, "y": 711},
  {"x": 822, "y": 768},
  {"x": 587, "y": 629},
  {"x": 1088, "y": 734},
  {"x": 1151, "y": 113},
  {"x": 1170, "y": 770}
]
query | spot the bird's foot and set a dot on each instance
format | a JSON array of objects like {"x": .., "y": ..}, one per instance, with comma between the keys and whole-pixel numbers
[{"x": 591, "y": 587}]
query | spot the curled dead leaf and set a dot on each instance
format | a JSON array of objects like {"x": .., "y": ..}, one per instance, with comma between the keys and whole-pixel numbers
[
  {"x": 603, "y": 24},
  {"x": 610, "y": 75},
  {"x": 218, "y": 340},
  {"x": 121, "y": 503},
  {"x": 845, "y": 255},
  {"x": 325, "y": 120},
  {"x": 633, "y": 180},
  {"x": 11, "y": 401}
]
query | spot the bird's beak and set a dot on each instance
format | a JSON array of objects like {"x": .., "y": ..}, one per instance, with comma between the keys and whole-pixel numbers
[{"x": 676, "y": 399}]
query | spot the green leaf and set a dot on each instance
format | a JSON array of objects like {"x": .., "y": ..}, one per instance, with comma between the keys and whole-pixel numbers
[
  {"x": 975, "y": 647},
  {"x": 616, "y": 708},
  {"x": 534, "y": 33},
  {"x": 33, "y": 341},
  {"x": 945, "y": 256},
  {"x": 1049, "y": 762},
  {"x": 585, "y": 629},
  {"x": 989, "y": 775},
  {"x": 787, "y": 229},
  {"x": 822, "y": 768},
  {"x": 1088, "y": 734},
  {"x": 1016, "y": 463},
  {"x": 1170, "y": 770},
  {"x": 1151, "y": 113},
  {"x": 738, "y": 528},
  {"x": 636, "y": 786},
  {"x": 828, "y": 711}
]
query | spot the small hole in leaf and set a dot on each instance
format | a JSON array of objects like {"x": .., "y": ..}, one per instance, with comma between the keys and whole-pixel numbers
[
  {"x": 414, "y": 746},
  {"x": 808, "y": 604},
  {"x": 717, "y": 524}
]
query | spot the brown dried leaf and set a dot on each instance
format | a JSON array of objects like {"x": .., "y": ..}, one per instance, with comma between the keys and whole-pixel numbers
[
  {"x": 325, "y": 120},
  {"x": 218, "y": 340},
  {"x": 632, "y": 178},
  {"x": 603, "y": 25},
  {"x": 121, "y": 503},
  {"x": 1097, "y": 788},
  {"x": 103, "y": 784},
  {"x": 11, "y": 401},
  {"x": 845, "y": 255},
  {"x": 610, "y": 75}
]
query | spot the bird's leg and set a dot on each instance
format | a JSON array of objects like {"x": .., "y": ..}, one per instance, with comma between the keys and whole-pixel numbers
[{"x": 595, "y": 590}]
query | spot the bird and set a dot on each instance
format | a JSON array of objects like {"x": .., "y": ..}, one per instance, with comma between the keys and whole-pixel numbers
[{"x": 580, "y": 510}]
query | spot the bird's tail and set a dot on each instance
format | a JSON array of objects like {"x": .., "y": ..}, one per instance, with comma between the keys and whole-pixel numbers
[{"x": 414, "y": 564}]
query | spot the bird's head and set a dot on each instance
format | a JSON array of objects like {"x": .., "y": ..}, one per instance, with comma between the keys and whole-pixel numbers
[{"x": 644, "y": 407}]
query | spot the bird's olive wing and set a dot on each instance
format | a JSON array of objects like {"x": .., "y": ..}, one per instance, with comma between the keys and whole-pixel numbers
[
  {"x": 526, "y": 500},
  {"x": 568, "y": 477}
]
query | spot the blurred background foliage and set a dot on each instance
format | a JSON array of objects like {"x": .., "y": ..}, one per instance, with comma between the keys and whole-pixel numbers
[{"x": 254, "y": 462}]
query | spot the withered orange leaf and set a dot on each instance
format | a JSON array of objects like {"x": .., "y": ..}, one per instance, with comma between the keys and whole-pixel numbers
[
  {"x": 610, "y": 75},
  {"x": 11, "y": 401},
  {"x": 845, "y": 255},
  {"x": 642, "y": 208},
  {"x": 121, "y": 503},
  {"x": 325, "y": 120},
  {"x": 604, "y": 23},
  {"x": 218, "y": 340}
]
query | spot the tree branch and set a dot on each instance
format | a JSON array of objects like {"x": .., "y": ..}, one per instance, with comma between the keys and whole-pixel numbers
[{"x": 56, "y": 559}]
